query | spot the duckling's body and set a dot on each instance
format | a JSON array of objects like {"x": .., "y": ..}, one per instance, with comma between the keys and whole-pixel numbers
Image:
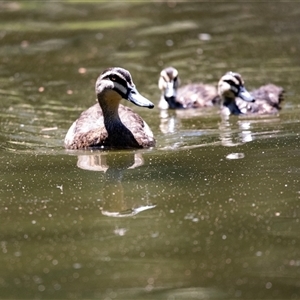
[
  {"x": 237, "y": 100},
  {"x": 267, "y": 100},
  {"x": 109, "y": 124},
  {"x": 195, "y": 95}
]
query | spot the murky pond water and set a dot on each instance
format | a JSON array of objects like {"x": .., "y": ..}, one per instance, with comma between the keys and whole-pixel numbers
[{"x": 212, "y": 212}]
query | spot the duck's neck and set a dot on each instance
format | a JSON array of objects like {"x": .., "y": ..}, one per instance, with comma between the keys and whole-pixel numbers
[
  {"x": 230, "y": 107},
  {"x": 118, "y": 134},
  {"x": 109, "y": 104}
]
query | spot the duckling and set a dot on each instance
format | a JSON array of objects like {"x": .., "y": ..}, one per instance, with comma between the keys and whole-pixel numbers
[
  {"x": 108, "y": 124},
  {"x": 230, "y": 87},
  {"x": 237, "y": 100},
  {"x": 195, "y": 95}
]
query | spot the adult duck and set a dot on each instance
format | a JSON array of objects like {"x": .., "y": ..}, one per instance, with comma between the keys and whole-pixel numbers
[
  {"x": 108, "y": 124},
  {"x": 237, "y": 100},
  {"x": 194, "y": 95}
]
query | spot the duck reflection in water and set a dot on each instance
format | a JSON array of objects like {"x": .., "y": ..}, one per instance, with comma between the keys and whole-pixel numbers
[
  {"x": 231, "y": 136},
  {"x": 169, "y": 122},
  {"x": 114, "y": 201},
  {"x": 234, "y": 132}
]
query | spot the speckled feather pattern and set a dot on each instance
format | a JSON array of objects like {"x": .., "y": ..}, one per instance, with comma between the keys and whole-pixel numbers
[
  {"x": 89, "y": 131},
  {"x": 198, "y": 95},
  {"x": 267, "y": 100}
]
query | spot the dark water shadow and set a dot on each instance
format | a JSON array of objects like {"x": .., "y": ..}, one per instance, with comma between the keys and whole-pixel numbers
[{"x": 114, "y": 200}]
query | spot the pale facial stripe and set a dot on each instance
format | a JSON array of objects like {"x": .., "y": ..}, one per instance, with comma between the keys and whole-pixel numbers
[{"x": 119, "y": 87}]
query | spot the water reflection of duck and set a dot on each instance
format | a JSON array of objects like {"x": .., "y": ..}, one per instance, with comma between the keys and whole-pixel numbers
[
  {"x": 110, "y": 124},
  {"x": 232, "y": 91},
  {"x": 195, "y": 95},
  {"x": 234, "y": 134},
  {"x": 114, "y": 202},
  {"x": 114, "y": 161}
]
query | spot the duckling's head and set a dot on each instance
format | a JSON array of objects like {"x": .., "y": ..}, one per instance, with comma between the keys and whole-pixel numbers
[
  {"x": 168, "y": 83},
  {"x": 231, "y": 85},
  {"x": 115, "y": 84}
]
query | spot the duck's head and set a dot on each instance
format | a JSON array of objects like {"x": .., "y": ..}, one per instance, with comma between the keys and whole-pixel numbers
[
  {"x": 116, "y": 84},
  {"x": 168, "y": 83},
  {"x": 231, "y": 86}
]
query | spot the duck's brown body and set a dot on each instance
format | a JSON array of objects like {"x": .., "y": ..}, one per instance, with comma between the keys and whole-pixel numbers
[{"x": 88, "y": 131}]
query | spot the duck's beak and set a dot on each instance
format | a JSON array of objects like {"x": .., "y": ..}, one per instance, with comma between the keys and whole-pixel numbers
[
  {"x": 245, "y": 95},
  {"x": 135, "y": 97}
]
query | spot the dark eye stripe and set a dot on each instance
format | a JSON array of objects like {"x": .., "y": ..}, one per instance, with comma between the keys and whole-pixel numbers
[
  {"x": 232, "y": 83},
  {"x": 118, "y": 75},
  {"x": 233, "y": 86},
  {"x": 116, "y": 78}
]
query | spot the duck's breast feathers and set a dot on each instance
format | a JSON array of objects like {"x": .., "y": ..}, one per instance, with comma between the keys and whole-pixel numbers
[
  {"x": 85, "y": 129},
  {"x": 197, "y": 95},
  {"x": 88, "y": 120},
  {"x": 138, "y": 127},
  {"x": 89, "y": 130}
]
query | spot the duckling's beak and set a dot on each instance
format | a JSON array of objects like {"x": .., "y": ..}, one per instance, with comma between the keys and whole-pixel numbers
[
  {"x": 135, "y": 97},
  {"x": 245, "y": 95}
]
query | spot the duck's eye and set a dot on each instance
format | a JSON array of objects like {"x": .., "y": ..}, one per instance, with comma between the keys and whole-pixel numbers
[{"x": 113, "y": 78}]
